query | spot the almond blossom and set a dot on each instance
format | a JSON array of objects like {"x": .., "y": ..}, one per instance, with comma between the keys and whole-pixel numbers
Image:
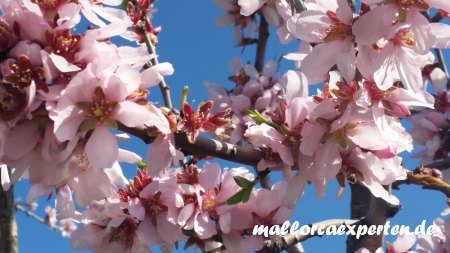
[{"x": 329, "y": 25}]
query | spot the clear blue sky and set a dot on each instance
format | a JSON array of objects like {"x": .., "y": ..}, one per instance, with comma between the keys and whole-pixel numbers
[{"x": 200, "y": 52}]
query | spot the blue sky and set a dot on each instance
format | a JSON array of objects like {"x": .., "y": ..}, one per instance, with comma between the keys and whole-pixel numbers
[{"x": 200, "y": 52}]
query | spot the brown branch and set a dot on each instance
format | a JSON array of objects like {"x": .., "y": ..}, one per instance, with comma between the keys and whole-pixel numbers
[
  {"x": 8, "y": 226},
  {"x": 352, "y": 5},
  {"x": 205, "y": 147},
  {"x": 440, "y": 165},
  {"x": 285, "y": 242},
  {"x": 165, "y": 89},
  {"x": 437, "y": 18},
  {"x": 262, "y": 43},
  {"x": 373, "y": 211},
  {"x": 427, "y": 182},
  {"x": 297, "y": 6}
]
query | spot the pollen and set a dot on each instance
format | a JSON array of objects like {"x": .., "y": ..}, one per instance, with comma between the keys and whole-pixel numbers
[{"x": 404, "y": 37}]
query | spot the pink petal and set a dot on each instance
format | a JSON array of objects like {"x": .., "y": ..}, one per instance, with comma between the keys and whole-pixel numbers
[
  {"x": 159, "y": 156},
  {"x": 442, "y": 33},
  {"x": 185, "y": 214},
  {"x": 136, "y": 209},
  {"x": 203, "y": 226},
  {"x": 154, "y": 75},
  {"x": 131, "y": 114},
  {"x": 248, "y": 7},
  {"x": 372, "y": 26},
  {"x": 309, "y": 26},
  {"x": 101, "y": 148},
  {"x": 209, "y": 176}
]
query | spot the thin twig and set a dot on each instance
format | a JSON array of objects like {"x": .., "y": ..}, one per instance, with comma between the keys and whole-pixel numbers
[
  {"x": 289, "y": 240},
  {"x": 440, "y": 165},
  {"x": 427, "y": 182},
  {"x": 165, "y": 89},
  {"x": 262, "y": 43},
  {"x": 352, "y": 5},
  {"x": 36, "y": 217},
  {"x": 442, "y": 65},
  {"x": 297, "y": 6}
]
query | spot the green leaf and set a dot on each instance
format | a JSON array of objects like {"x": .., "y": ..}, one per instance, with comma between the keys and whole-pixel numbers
[
  {"x": 243, "y": 182},
  {"x": 241, "y": 196},
  {"x": 247, "y": 194},
  {"x": 257, "y": 117}
]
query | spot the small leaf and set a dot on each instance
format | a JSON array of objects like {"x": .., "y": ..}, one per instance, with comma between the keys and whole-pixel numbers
[
  {"x": 243, "y": 182},
  {"x": 247, "y": 194},
  {"x": 257, "y": 117},
  {"x": 236, "y": 198}
]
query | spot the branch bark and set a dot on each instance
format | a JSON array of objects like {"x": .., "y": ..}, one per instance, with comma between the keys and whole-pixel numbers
[
  {"x": 262, "y": 43},
  {"x": 165, "y": 89},
  {"x": 440, "y": 165},
  {"x": 373, "y": 211},
  {"x": 206, "y": 147},
  {"x": 8, "y": 226},
  {"x": 427, "y": 182}
]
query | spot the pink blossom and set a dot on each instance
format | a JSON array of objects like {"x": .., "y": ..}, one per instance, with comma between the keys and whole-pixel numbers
[
  {"x": 329, "y": 26},
  {"x": 89, "y": 103}
]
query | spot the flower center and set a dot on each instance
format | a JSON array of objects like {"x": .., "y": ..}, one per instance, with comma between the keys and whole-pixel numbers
[
  {"x": 64, "y": 44},
  {"x": 23, "y": 73},
  {"x": 408, "y": 4},
  {"x": 404, "y": 37},
  {"x": 209, "y": 201},
  {"x": 338, "y": 30}
]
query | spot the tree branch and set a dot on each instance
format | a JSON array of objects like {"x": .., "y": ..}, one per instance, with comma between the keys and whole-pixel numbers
[
  {"x": 165, "y": 89},
  {"x": 8, "y": 226},
  {"x": 38, "y": 218},
  {"x": 205, "y": 146},
  {"x": 352, "y": 5},
  {"x": 440, "y": 165},
  {"x": 262, "y": 43},
  {"x": 285, "y": 242},
  {"x": 374, "y": 211},
  {"x": 297, "y": 6},
  {"x": 427, "y": 182}
]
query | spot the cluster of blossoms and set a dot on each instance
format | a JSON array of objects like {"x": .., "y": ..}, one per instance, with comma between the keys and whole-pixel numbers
[
  {"x": 62, "y": 94},
  {"x": 372, "y": 78},
  {"x": 187, "y": 203},
  {"x": 259, "y": 91}
]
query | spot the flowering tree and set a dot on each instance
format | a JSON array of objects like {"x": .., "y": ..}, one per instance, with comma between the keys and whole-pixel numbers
[{"x": 69, "y": 96}]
